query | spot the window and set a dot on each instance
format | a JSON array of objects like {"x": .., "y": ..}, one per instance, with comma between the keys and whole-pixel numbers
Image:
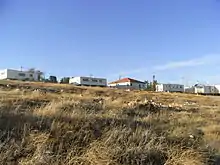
[
  {"x": 100, "y": 81},
  {"x": 94, "y": 80},
  {"x": 21, "y": 74},
  {"x": 85, "y": 79},
  {"x": 131, "y": 84},
  {"x": 31, "y": 75}
]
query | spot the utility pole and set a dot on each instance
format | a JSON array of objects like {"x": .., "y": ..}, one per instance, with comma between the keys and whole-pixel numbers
[{"x": 154, "y": 83}]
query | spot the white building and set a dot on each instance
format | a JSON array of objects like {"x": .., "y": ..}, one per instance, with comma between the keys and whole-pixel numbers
[
  {"x": 169, "y": 88},
  {"x": 12, "y": 74},
  {"x": 217, "y": 88},
  {"x": 203, "y": 89},
  {"x": 128, "y": 83},
  {"x": 210, "y": 89},
  {"x": 189, "y": 90},
  {"x": 88, "y": 81}
]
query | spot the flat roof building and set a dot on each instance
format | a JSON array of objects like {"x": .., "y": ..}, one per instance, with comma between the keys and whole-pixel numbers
[
  {"x": 88, "y": 81},
  {"x": 12, "y": 74}
]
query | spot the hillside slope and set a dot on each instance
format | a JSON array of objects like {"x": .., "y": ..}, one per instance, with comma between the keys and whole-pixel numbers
[{"x": 98, "y": 126}]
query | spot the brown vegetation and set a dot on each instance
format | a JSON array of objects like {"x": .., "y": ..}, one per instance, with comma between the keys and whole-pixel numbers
[{"x": 98, "y": 126}]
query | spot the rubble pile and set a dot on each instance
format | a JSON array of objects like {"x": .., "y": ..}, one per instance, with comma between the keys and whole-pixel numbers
[{"x": 155, "y": 106}]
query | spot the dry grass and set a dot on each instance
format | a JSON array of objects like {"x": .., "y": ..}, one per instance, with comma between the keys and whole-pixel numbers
[{"x": 98, "y": 126}]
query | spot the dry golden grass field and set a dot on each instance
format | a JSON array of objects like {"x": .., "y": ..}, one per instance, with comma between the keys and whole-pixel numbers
[{"x": 65, "y": 125}]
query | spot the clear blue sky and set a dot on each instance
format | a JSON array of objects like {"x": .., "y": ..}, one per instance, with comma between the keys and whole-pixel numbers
[{"x": 134, "y": 38}]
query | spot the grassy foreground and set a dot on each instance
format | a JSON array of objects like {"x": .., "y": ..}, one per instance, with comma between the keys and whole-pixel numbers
[{"x": 97, "y": 126}]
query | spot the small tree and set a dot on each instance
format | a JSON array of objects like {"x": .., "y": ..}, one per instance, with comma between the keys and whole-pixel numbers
[
  {"x": 147, "y": 85},
  {"x": 65, "y": 80},
  {"x": 151, "y": 86},
  {"x": 53, "y": 79},
  {"x": 154, "y": 85}
]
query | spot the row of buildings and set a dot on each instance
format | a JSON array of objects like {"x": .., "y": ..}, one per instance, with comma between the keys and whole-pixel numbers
[
  {"x": 36, "y": 75},
  {"x": 124, "y": 83}
]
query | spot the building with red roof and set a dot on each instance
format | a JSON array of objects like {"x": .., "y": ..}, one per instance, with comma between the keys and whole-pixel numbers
[{"x": 128, "y": 83}]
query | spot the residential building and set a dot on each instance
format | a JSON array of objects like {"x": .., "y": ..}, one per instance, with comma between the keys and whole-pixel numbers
[
  {"x": 217, "y": 88},
  {"x": 195, "y": 89},
  {"x": 189, "y": 90},
  {"x": 169, "y": 88},
  {"x": 210, "y": 89},
  {"x": 12, "y": 74},
  {"x": 203, "y": 89},
  {"x": 128, "y": 83},
  {"x": 88, "y": 81}
]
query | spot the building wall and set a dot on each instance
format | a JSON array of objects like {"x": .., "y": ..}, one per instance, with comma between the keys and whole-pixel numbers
[
  {"x": 3, "y": 74},
  {"x": 199, "y": 89},
  {"x": 190, "y": 90},
  {"x": 18, "y": 75},
  {"x": 169, "y": 88},
  {"x": 217, "y": 88},
  {"x": 202, "y": 89},
  {"x": 136, "y": 85},
  {"x": 75, "y": 80},
  {"x": 21, "y": 75},
  {"x": 209, "y": 89},
  {"x": 128, "y": 85},
  {"x": 89, "y": 81},
  {"x": 122, "y": 84},
  {"x": 159, "y": 88}
]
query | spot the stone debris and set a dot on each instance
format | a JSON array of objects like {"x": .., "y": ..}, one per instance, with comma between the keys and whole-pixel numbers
[
  {"x": 189, "y": 103},
  {"x": 191, "y": 136},
  {"x": 138, "y": 102},
  {"x": 99, "y": 100}
]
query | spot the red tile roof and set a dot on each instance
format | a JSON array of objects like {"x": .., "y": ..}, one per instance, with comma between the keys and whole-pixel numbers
[{"x": 126, "y": 80}]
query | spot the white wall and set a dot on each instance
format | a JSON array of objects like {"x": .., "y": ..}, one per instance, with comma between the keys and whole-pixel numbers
[
  {"x": 209, "y": 89},
  {"x": 90, "y": 81},
  {"x": 130, "y": 85},
  {"x": 120, "y": 84},
  {"x": 203, "y": 89},
  {"x": 18, "y": 75},
  {"x": 159, "y": 88},
  {"x": 217, "y": 88},
  {"x": 169, "y": 88},
  {"x": 21, "y": 75},
  {"x": 199, "y": 89},
  {"x": 190, "y": 90},
  {"x": 75, "y": 80},
  {"x": 3, "y": 74}
]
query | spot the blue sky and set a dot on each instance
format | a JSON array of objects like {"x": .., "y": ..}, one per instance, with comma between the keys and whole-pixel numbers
[{"x": 178, "y": 41}]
